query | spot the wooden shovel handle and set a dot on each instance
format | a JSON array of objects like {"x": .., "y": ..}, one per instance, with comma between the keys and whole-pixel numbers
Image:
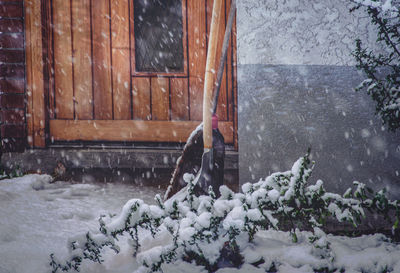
[{"x": 210, "y": 72}]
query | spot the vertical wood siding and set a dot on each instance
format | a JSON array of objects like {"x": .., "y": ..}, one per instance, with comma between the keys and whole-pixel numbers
[
  {"x": 82, "y": 57},
  {"x": 94, "y": 71}
]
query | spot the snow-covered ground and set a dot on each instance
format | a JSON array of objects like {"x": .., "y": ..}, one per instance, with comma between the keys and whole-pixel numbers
[{"x": 38, "y": 217}]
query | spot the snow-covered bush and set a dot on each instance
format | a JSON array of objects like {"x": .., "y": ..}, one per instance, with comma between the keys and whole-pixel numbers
[
  {"x": 214, "y": 232},
  {"x": 382, "y": 69},
  {"x": 11, "y": 173}
]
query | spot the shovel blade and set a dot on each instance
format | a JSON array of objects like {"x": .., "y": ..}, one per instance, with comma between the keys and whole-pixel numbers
[{"x": 204, "y": 177}]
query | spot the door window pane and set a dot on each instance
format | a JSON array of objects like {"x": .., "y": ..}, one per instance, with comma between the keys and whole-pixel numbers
[{"x": 158, "y": 36}]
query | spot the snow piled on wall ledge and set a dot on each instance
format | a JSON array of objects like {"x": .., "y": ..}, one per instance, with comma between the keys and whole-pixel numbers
[{"x": 300, "y": 32}]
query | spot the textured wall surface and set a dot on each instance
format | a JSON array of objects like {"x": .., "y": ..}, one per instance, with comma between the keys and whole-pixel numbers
[
  {"x": 299, "y": 32},
  {"x": 295, "y": 90}
]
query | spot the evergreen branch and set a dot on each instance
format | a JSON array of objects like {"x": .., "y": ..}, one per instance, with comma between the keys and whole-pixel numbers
[{"x": 383, "y": 28}]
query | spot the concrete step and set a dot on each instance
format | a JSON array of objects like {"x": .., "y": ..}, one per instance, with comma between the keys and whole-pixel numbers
[
  {"x": 140, "y": 166},
  {"x": 45, "y": 160}
]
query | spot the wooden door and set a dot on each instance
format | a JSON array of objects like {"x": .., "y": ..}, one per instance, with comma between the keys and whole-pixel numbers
[{"x": 105, "y": 86}]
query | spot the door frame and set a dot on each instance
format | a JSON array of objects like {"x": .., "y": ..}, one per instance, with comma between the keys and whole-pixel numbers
[{"x": 35, "y": 82}]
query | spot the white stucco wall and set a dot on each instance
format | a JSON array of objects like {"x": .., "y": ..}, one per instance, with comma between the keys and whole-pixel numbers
[{"x": 319, "y": 32}]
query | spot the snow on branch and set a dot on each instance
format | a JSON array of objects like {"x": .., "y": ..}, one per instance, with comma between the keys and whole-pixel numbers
[
  {"x": 386, "y": 6},
  {"x": 382, "y": 69}
]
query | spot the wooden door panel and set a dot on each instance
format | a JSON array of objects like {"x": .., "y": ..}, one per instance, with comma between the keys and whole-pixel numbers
[
  {"x": 229, "y": 69},
  {"x": 35, "y": 75},
  {"x": 82, "y": 56},
  {"x": 63, "y": 60},
  {"x": 141, "y": 98},
  {"x": 159, "y": 98},
  {"x": 121, "y": 84},
  {"x": 121, "y": 73},
  {"x": 179, "y": 99},
  {"x": 197, "y": 56},
  {"x": 120, "y": 24},
  {"x": 234, "y": 85},
  {"x": 102, "y": 60},
  {"x": 97, "y": 90}
]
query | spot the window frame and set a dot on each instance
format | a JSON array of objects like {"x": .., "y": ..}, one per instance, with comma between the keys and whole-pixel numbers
[{"x": 184, "y": 73}]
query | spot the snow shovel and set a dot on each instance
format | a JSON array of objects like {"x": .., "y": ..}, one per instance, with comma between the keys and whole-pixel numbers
[
  {"x": 192, "y": 154},
  {"x": 204, "y": 177}
]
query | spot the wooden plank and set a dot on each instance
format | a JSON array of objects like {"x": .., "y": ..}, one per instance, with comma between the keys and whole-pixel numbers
[
  {"x": 120, "y": 24},
  {"x": 49, "y": 60},
  {"x": 102, "y": 59},
  {"x": 222, "y": 110},
  {"x": 121, "y": 82},
  {"x": 184, "y": 36},
  {"x": 36, "y": 118},
  {"x": 235, "y": 100},
  {"x": 229, "y": 69},
  {"x": 197, "y": 56},
  {"x": 223, "y": 99},
  {"x": 141, "y": 98},
  {"x": 159, "y": 98},
  {"x": 63, "y": 60},
  {"x": 179, "y": 99},
  {"x": 28, "y": 74},
  {"x": 82, "y": 59},
  {"x": 120, "y": 59},
  {"x": 129, "y": 130}
]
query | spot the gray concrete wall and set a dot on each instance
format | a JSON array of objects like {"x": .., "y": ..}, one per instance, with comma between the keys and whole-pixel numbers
[{"x": 295, "y": 90}]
